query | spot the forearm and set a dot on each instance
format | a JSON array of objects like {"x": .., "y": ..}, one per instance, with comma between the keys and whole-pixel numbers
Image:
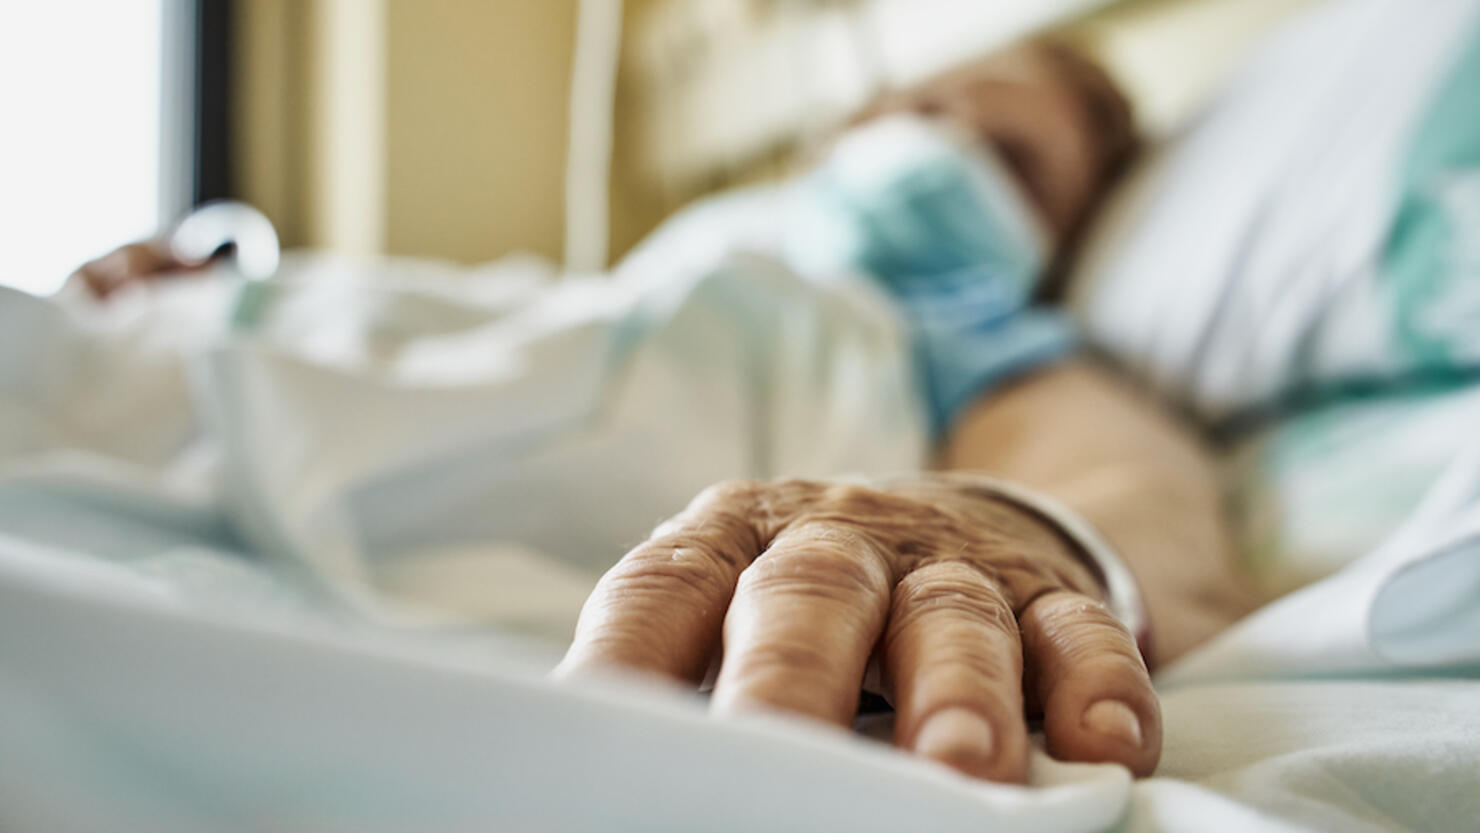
[{"x": 1145, "y": 482}]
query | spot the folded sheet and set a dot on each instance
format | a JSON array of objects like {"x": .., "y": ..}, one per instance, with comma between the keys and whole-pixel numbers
[
  {"x": 125, "y": 707},
  {"x": 1411, "y": 603},
  {"x": 176, "y": 651}
]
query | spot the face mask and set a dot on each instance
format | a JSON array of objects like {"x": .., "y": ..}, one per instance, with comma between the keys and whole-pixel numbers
[{"x": 940, "y": 224}]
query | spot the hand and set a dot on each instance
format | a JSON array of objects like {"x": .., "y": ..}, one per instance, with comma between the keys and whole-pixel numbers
[
  {"x": 131, "y": 264},
  {"x": 969, "y": 604}
]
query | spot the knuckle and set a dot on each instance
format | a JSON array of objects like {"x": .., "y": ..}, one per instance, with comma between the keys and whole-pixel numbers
[
  {"x": 1081, "y": 630},
  {"x": 782, "y": 499},
  {"x": 730, "y": 500},
  {"x": 665, "y": 567},
  {"x": 725, "y": 538},
  {"x": 839, "y": 539},
  {"x": 788, "y": 656},
  {"x": 794, "y": 484},
  {"x": 789, "y": 669},
  {"x": 1075, "y": 611},
  {"x": 866, "y": 504},
  {"x": 963, "y": 671},
  {"x": 826, "y": 563},
  {"x": 1085, "y": 650},
  {"x": 792, "y": 675},
  {"x": 625, "y": 644},
  {"x": 728, "y": 493},
  {"x": 952, "y": 589},
  {"x": 852, "y": 494}
]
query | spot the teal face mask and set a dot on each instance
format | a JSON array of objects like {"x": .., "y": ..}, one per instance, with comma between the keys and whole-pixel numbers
[{"x": 945, "y": 229}]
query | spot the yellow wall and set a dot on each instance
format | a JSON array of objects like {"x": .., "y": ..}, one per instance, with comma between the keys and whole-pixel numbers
[
  {"x": 428, "y": 127},
  {"x": 1170, "y": 55},
  {"x": 476, "y": 108},
  {"x": 269, "y": 132},
  {"x": 438, "y": 127}
]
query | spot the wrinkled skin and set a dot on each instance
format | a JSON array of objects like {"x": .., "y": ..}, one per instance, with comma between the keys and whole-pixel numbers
[{"x": 968, "y": 603}]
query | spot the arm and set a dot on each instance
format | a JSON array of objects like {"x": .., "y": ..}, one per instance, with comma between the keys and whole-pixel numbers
[{"x": 1144, "y": 481}]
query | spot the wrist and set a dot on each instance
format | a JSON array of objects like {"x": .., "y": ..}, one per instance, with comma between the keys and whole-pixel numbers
[{"x": 1117, "y": 586}]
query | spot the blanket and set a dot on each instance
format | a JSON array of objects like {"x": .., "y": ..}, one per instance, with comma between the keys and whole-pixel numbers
[{"x": 312, "y": 578}]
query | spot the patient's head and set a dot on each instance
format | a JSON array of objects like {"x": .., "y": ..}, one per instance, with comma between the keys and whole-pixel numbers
[{"x": 1055, "y": 117}]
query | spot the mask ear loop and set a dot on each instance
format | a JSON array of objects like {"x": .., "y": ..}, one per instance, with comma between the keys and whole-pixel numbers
[{"x": 1022, "y": 207}]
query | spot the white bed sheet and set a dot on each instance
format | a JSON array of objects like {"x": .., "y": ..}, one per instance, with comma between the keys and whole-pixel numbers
[{"x": 127, "y": 704}]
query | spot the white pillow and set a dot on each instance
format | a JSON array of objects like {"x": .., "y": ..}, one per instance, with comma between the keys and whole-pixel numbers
[{"x": 1240, "y": 261}]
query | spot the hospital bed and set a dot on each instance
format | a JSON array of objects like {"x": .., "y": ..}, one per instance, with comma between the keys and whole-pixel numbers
[{"x": 311, "y": 576}]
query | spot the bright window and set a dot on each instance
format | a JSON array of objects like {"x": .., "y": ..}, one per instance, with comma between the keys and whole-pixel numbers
[{"x": 82, "y": 89}]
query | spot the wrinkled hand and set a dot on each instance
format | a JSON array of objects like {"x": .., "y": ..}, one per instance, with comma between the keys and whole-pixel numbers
[{"x": 968, "y": 603}]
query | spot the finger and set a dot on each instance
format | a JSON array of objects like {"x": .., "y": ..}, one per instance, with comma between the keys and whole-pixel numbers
[
  {"x": 660, "y": 609},
  {"x": 803, "y": 622},
  {"x": 954, "y": 658},
  {"x": 1084, "y": 667}
]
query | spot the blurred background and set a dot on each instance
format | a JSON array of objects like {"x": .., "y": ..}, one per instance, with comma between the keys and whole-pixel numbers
[{"x": 470, "y": 129}]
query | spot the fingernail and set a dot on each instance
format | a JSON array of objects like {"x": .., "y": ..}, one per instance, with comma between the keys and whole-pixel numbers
[
  {"x": 1114, "y": 719},
  {"x": 957, "y": 736}
]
